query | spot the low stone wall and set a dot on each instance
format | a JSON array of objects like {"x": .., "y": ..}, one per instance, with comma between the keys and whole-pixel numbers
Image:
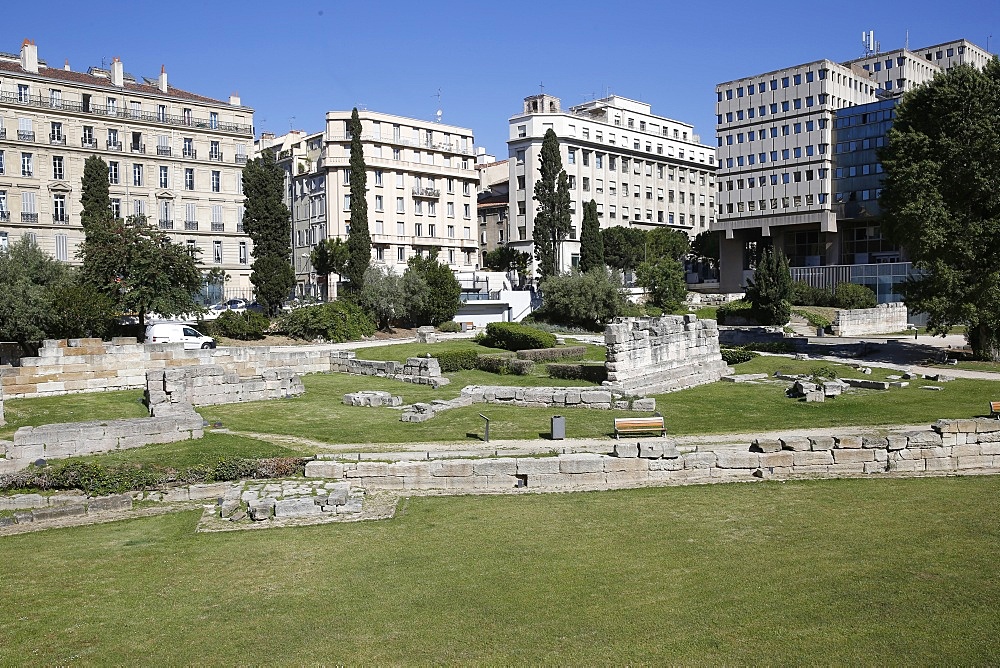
[
  {"x": 647, "y": 355},
  {"x": 950, "y": 447},
  {"x": 557, "y": 397},
  {"x": 883, "y": 319},
  {"x": 211, "y": 384},
  {"x": 30, "y": 508},
  {"x": 741, "y": 336},
  {"x": 420, "y": 370},
  {"x": 2, "y": 420},
  {"x": 90, "y": 365},
  {"x": 56, "y": 441}
]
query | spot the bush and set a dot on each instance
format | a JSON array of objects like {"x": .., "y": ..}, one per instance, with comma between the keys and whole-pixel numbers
[
  {"x": 587, "y": 300},
  {"x": 595, "y": 373},
  {"x": 449, "y": 326},
  {"x": 245, "y": 326},
  {"x": 804, "y": 294},
  {"x": 771, "y": 346},
  {"x": 824, "y": 371},
  {"x": 547, "y": 354},
  {"x": 457, "y": 360},
  {"x": 740, "y": 308},
  {"x": 504, "y": 363},
  {"x": 770, "y": 289},
  {"x": 337, "y": 322},
  {"x": 852, "y": 295},
  {"x": 514, "y": 336},
  {"x": 737, "y": 355}
]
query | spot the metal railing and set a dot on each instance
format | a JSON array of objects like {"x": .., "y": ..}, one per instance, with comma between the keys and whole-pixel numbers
[
  {"x": 163, "y": 150},
  {"x": 191, "y": 225},
  {"x": 114, "y": 112},
  {"x": 29, "y": 217},
  {"x": 218, "y": 227},
  {"x": 88, "y": 143},
  {"x": 24, "y": 135},
  {"x": 4, "y": 216},
  {"x": 166, "y": 224},
  {"x": 114, "y": 146},
  {"x": 217, "y": 157},
  {"x": 57, "y": 139},
  {"x": 60, "y": 219},
  {"x": 426, "y": 192},
  {"x": 189, "y": 153},
  {"x": 451, "y": 147},
  {"x": 240, "y": 159},
  {"x": 137, "y": 148}
]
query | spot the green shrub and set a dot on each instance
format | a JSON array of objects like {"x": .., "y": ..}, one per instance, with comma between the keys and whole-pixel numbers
[
  {"x": 740, "y": 308},
  {"x": 547, "y": 354},
  {"x": 595, "y": 373},
  {"x": 824, "y": 372},
  {"x": 737, "y": 355},
  {"x": 245, "y": 325},
  {"x": 514, "y": 336},
  {"x": 814, "y": 319},
  {"x": 852, "y": 295},
  {"x": 804, "y": 294},
  {"x": 337, "y": 322},
  {"x": 589, "y": 300},
  {"x": 449, "y": 326},
  {"x": 771, "y": 346},
  {"x": 457, "y": 360},
  {"x": 652, "y": 311},
  {"x": 770, "y": 289},
  {"x": 504, "y": 363}
]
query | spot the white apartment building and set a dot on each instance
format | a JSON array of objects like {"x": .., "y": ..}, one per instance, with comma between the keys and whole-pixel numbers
[
  {"x": 642, "y": 170},
  {"x": 173, "y": 156},
  {"x": 779, "y": 157},
  {"x": 422, "y": 186}
]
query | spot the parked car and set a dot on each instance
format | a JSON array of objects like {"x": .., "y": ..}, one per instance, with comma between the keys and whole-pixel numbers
[{"x": 178, "y": 332}]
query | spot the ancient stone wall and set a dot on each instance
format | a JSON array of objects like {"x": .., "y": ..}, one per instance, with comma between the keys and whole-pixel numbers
[
  {"x": 587, "y": 396},
  {"x": 211, "y": 384},
  {"x": 56, "y": 441},
  {"x": 951, "y": 447},
  {"x": 420, "y": 370},
  {"x": 90, "y": 365},
  {"x": 883, "y": 319},
  {"x": 647, "y": 355},
  {"x": 741, "y": 336},
  {"x": 2, "y": 421}
]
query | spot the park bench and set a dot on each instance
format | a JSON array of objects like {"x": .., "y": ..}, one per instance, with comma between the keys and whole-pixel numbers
[
  {"x": 995, "y": 409},
  {"x": 640, "y": 425}
]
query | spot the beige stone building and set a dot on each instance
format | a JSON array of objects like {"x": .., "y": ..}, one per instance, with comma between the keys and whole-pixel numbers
[{"x": 173, "y": 156}]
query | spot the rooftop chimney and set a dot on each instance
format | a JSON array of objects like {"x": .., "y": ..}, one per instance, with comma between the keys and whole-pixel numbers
[
  {"x": 66, "y": 65},
  {"x": 117, "y": 72},
  {"x": 163, "y": 79},
  {"x": 234, "y": 99},
  {"x": 29, "y": 56}
]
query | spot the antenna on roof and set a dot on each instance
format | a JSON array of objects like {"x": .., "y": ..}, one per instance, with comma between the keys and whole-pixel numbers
[
  {"x": 439, "y": 112},
  {"x": 871, "y": 46}
]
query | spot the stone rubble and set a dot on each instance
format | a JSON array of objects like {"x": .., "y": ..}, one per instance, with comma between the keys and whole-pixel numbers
[{"x": 418, "y": 370}]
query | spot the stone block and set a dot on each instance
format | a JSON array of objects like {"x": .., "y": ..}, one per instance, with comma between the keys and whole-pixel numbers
[
  {"x": 737, "y": 460},
  {"x": 453, "y": 468},
  {"x": 58, "y": 512},
  {"x": 699, "y": 460},
  {"x": 261, "y": 511},
  {"x": 626, "y": 449},
  {"x": 615, "y": 464},
  {"x": 820, "y": 443},
  {"x": 974, "y": 462},
  {"x": 581, "y": 463},
  {"x": 367, "y": 470},
  {"x": 906, "y": 465},
  {"x": 844, "y": 442},
  {"x": 777, "y": 459},
  {"x": 818, "y": 458},
  {"x": 650, "y": 450},
  {"x": 664, "y": 464},
  {"x": 923, "y": 439},
  {"x": 967, "y": 450},
  {"x": 852, "y": 456},
  {"x": 208, "y": 491},
  {"x": 538, "y": 466},
  {"x": 870, "y": 442},
  {"x": 109, "y": 503},
  {"x": 324, "y": 469},
  {"x": 338, "y": 494},
  {"x": 811, "y": 469},
  {"x": 494, "y": 467},
  {"x": 939, "y": 464},
  {"x": 296, "y": 507},
  {"x": 765, "y": 445},
  {"x": 795, "y": 444}
]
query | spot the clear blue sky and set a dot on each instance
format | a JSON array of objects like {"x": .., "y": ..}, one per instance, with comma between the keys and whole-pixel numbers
[{"x": 293, "y": 61}]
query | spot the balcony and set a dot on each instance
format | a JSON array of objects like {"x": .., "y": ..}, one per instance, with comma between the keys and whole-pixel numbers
[
  {"x": 426, "y": 192},
  {"x": 166, "y": 224},
  {"x": 29, "y": 217},
  {"x": 189, "y": 153},
  {"x": 57, "y": 139},
  {"x": 218, "y": 227},
  {"x": 163, "y": 150},
  {"x": 4, "y": 216},
  {"x": 137, "y": 148},
  {"x": 241, "y": 160},
  {"x": 114, "y": 146},
  {"x": 3, "y": 133},
  {"x": 217, "y": 157},
  {"x": 191, "y": 225},
  {"x": 239, "y": 228},
  {"x": 88, "y": 143},
  {"x": 60, "y": 219},
  {"x": 25, "y": 135}
]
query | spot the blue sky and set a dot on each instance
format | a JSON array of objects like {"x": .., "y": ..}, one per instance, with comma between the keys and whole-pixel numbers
[{"x": 295, "y": 60}]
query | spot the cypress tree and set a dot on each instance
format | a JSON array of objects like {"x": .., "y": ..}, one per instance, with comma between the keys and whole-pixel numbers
[
  {"x": 95, "y": 197},
  {"x": 591, "y": 243},
  {"x": 552, "y": 221},
  {"x": 359, "y": 241},
  {"x": 267, "y": 222}
]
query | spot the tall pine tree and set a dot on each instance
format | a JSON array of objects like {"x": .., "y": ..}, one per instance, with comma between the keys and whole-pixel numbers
[
  {"x": 359, "y": 241},
  {"x": 267, "y": 222},
  {"x": 552, "y": 221},
  {"x": 591, "y": 242}
]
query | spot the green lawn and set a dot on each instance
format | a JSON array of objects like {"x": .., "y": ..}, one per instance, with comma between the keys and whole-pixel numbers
[
  {"x": 71, "y": 408},
  {"x": 842, "y": 572},
  {"x": 400, "y": 351},
  {"x": 207, "y": 450}
]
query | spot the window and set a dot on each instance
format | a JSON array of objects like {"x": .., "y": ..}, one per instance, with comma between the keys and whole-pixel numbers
[
  {"x": 113, "y": 143},
  {"x": 451, "y": 209},
  {"x": 216, "y": 181},
  {"x": 62, "y": 247},
  {"x": 451, "y": 231},
  {"x": 27, "y": 165},
  {"x": 401, "y": 254},
  {"x": 213, "y": 120},
  {"x": 400, "y": 205},
  {"x": 116, "y": 207},
  {"x": 572, "y": 157},
  {"x": 189, "y": 179},
  {"x": 378, "y": 178},
  {"x": 379, "y": 203},
  {"x": 164, "y": 176},
  {"x": 135, "y": 109},
  {"x": 347, "y": 202},
  {"x": 137, "y": 175},
  {"x": 243, "y": 252},
  {"x": 2, "y": 168},
  {"x": 217, "y": 252},
  {"x": 57, "y": 168},
  {"x": 213, "y": 151},
  {"x": 23, "y": 93},
  {"x": 138, "y": 207},
  {"x": 59, "y": 209},
  {"x": 467, "y": 211}
]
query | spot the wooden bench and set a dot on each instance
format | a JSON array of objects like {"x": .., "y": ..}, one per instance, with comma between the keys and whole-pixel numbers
[
  {"x": 995, "y": 409},
  {"x": 640, "y": 425}
]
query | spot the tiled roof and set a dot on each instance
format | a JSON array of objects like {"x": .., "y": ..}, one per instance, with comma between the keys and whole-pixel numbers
[{"x": 84, "y": 78}]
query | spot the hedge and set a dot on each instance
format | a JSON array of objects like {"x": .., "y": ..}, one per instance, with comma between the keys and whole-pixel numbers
[
  {"x": 457, "y": 360},
  {"x": 739, "y": 308},
  {"x": 595, "y": 373},
  {"x": 449, "y": 326},
  {"x": 548, "y": 354},
  {"x": 336, "y": 322},
  {"x": 504, "y": 364},
  {"x": 737, "y": 355},
  {"x": 244, "y": 326},
  {"x": 514, "y": 336}
]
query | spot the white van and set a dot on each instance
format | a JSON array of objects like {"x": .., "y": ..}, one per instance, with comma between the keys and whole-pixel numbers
[{"x": 178, "y": 332}]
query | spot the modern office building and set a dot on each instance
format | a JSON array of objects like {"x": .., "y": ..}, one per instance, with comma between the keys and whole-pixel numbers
[
  {"x": 798, "y": 165},
  {"x": 421, "y": 181},
  {"x": 173, "y": 156},
  {"x": 642, "y": 170}
]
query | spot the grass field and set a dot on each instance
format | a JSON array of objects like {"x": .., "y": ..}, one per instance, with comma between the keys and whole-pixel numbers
[
  {"x": 207, "y": 450},
  {"x": 834, "y": 572},
  {"x": 71, "y": 408}
]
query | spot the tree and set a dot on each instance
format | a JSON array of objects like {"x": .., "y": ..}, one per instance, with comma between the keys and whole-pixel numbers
[
  {"x": 29, "y": 282},
  {"x": 587, "y": 300},
  {"x": 440, "y": 302},
  {"x": 330, "y": 256},
  {"x": 383, "y": 297},
  {"x": 706, "y": 247},
  {"x": 267, "y": 222},
  {"x": 624, "y": 247},
  {"x": 508, "y": 258},
  {"x": 140, "y": 269},
  {"x": 359, "y": 241},
  {"x": 591, "y": 243},
  {"x": 663, "y": 277},
  {"x": 552, "y": 221},
  {"x": 95, "y": 196},
  {"x": 770, "y": 290},
  {"x": 939, "y": 201},
  {"x": 665, "y": 242}
]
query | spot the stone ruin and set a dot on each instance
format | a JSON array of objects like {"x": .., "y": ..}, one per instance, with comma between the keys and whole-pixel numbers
[
  {"x": 210, "y": 384},
  {"x": 558, "y": 397},
  {"x": 653, "y": 355},
  {"x": 419, "y": 370},
  {"x": 2, "y": 421},
  {"x": 427, "y": 335},
  {"x": 372, "y": 398}
]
